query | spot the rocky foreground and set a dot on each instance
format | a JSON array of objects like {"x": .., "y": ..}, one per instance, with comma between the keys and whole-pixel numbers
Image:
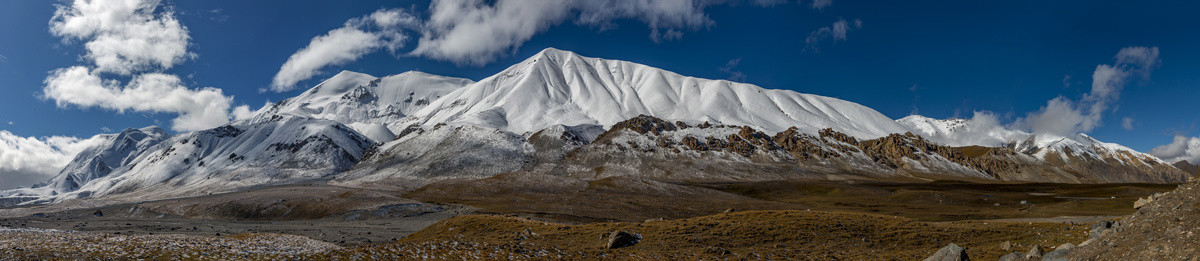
[
  {"x": 780, "y": 235},
  {"x": 1165, "y": 227},
  {"x": 46, "y": 244}
]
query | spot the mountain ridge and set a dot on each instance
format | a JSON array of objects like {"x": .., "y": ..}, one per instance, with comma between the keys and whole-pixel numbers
[{"x": 559, "y": 112}]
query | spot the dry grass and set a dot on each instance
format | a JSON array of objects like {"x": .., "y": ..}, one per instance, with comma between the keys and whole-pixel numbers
[{"x": 792, "y": 235}]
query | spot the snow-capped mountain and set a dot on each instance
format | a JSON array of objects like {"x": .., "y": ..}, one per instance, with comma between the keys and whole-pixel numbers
[
  {"x": 280, "y": 150},
  {"x": 1079, "y": 154},
  {"x": 375, "y": 107},
  {"x": 564, "y": 114},
  {"x": 558, "y": 87},
  {"x": 115, "y": 151}
]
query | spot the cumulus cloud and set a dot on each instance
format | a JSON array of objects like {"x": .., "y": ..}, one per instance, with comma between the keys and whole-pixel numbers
[
  {"x": 835, "y": 32},
  {"x": 1062, "y": 116},
  {"x": 123, "y": 36},
  {"x": 984, "y": 128},
  {"x": 150, "y": 92},
  {"x": 476, "y": 32},
  {"x": 26, "y": 161},
  {"x": 1182, "y": 148},
  {"x": 356, "y": 38},
  {"x": 134, "y": 39}
]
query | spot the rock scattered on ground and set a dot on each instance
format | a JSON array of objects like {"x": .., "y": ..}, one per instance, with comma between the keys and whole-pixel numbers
[
  {"x": 41, "y": 244},
  {"x": 1166, "y": 226}
]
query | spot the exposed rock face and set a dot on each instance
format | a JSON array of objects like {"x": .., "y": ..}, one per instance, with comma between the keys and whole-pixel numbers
[{"x": 644, "y": 145}]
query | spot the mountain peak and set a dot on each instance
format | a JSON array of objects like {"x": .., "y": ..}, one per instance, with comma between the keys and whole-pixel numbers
[
  {"x": 557, "y": 87},
  {"x": 551, "y": 51}
]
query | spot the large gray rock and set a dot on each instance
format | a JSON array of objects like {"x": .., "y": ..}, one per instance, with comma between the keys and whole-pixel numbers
[
  {"x": 619, "y": 239},
  {"x": 1100, "y": 227},
  {"x": 951, "y": 252},
  {"x": 1059, "y": 253},
  {"x": 1014, "y": 256},
  {"x": 1036, "y": 252}
]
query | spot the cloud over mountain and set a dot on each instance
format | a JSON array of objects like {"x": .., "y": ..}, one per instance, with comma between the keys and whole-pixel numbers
[
  {"x": 476, "y": 32},
  {"x": 1062, "y": 116},
  {"x": 356, "y": 38},
  {"x": 136, "y": 40},
  {"x": 25, "y": 161},
  {"x": 1182, "y": 148}
]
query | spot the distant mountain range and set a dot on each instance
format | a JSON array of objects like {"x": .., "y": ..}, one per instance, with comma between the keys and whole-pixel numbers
[{"x": 563, "y": 114}]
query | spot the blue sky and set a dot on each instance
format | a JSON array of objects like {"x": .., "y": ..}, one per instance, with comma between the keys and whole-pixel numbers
[{"x": 936, "y": 58}]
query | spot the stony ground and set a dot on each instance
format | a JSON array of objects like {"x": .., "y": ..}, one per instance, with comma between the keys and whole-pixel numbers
[
  {"x": 789, "y": 221},
  {"x": 45, "y": 244},
  {"x": 787, "y": 235},
  {"x": 1167, "y": 228}
]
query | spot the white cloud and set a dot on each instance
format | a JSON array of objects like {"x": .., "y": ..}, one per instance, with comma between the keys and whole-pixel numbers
[
  {"x": 1182, "y": 148},
  {"x": 356, "y": 38},
  {"x": 837, "y": 32},
  {"x": 731, "y": 68},
  {"x": 3, "y": 59},
  {"x": 134, "y": 39},
  {"x": 821, "y": 4},
  {"x": 26, "y": 161},
  {"x": 476, "y": 32},
  {"x": 1127, "y": 123},
  {"x": 151, "y": 92},
  {"x": 123, "y": 36},
  {"x": 1062, "y": 116},
  {"x": 242, "y": 112},
  {"x": 983, "y": 128}
]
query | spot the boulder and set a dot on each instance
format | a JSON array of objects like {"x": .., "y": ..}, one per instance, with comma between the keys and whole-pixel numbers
[
  {"x": 1141, "y": 202},
  {"x": 1100, "y": 227},
  {"x": 1014, "y": 256},
  {"x": 951, "y": 252},
  {"x": 619, "y": 239},
  {"x": 1059, "y": 253},
  {"x": 1036, "y": 252},
  {"x": 1006, "y": 246}
]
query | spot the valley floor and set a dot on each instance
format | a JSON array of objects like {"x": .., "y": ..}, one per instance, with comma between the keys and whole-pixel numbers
[{"x": 504, "y": 218}]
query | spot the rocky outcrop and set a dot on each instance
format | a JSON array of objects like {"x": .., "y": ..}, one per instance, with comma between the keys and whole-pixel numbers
[
  {"x": 828, "y": 151},
  {"x": 1188, "y": 167}
]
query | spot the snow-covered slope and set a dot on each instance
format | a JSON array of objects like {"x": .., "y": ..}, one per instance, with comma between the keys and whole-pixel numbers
[
  {"x": 279, "y": 150},
  {"x": 373, "y": 106},
  {"x": 558, "y": 87},
  {"x": 114, "y": 151},
  {"x": 1100, "y": 161}
]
